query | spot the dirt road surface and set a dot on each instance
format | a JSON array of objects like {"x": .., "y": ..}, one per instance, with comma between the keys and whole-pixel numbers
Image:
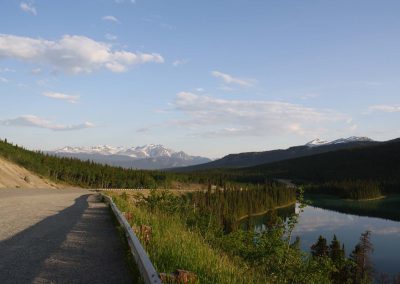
[{"x": 58, "y": 236}]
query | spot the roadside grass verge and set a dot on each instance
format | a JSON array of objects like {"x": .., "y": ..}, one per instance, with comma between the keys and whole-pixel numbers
[
  {"x": 174, "y": 246},
  {"x": 128, "y": 257}
]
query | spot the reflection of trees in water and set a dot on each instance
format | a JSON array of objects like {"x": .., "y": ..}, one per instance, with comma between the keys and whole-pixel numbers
[
  {"x": 270, "y": 219},
  {"x": 387, "y": 208}
]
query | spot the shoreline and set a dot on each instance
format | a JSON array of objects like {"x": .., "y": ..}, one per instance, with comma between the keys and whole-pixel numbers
[
  {"x": 265, "y": 211},
  {"x": 369, "y": 199}
]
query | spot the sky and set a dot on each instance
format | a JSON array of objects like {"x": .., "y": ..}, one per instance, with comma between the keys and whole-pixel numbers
[{"x": 208, "y": 77}]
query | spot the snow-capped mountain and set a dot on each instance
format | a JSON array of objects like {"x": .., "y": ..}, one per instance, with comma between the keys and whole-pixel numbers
[
  {"x": 318, "y": 142},
  {"x": 144, "y": 157}
]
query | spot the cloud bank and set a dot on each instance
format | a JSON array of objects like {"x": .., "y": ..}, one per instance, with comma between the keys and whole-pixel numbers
[
  {"x": 61, "y": 96},
  {"x": 37, "y": 122},
  {"x": 72, "y": 54},
  {"x": 221, "y": 117},
  {"x": 385, "y": 108}
]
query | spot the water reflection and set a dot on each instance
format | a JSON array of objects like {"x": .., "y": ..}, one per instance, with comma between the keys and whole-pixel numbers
[{"x": 348, "y": 228}]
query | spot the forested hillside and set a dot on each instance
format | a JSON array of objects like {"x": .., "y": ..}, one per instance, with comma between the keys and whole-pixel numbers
[
  {"x": 377, "y": 167},
  {"x": 250, "y": 159},
  {"x": 85, "y": 174},
  {"x": 358, "y": 173},
  {"x": 378, "y": 162}
]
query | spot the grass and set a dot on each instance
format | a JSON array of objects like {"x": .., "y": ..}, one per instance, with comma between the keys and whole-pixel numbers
[{"x": 173, "y": 246}]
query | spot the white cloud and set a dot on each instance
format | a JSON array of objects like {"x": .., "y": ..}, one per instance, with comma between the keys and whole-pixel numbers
[
  {"x": 309, "y": 96},
  {"x": 123, "y": 1},
  {"x": 6, "y": 70},
  {"x": 384, "y": 231},
  {"x": 179, "y": 62},
  {"x": 220, "y": 117},
  {"x": 37, "y": 122},
  {"x": 385, "y": 108},
  {"x": 36, "y": 71},
  {"x": 110, "y": 19},
  {"x": 110, "y": 37},
  {"x": 61, "y": 96},
  {"x": 228, "y": 79},
  {"x": 28, "y": 8},
  {"x": 3, "y": 80},
  {"x": 72, "y": 54}
]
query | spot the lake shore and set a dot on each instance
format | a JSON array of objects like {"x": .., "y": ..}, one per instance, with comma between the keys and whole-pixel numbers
[{"x": 264, "y": 212}]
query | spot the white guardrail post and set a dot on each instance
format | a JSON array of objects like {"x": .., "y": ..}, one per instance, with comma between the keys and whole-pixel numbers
[{"x": 146, "y": 268}]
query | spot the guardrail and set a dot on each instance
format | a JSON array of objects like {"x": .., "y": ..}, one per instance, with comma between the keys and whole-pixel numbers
[{"x": 146, "y": 268}]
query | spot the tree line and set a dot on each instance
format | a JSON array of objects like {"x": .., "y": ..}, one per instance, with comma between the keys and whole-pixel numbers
[
  {"x": 352, "y": 189},
  {"x": 83, "y": 173},
  {"x": 231, "y": 203}
]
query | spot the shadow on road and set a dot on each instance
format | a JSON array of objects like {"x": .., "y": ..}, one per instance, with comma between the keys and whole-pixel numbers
[{"x": 77, "y": 245}]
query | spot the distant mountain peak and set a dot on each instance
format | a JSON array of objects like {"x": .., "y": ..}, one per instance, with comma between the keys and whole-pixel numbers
[
  {"x": 319, "y": 142},
  {"x": 145, "y": 156},
  {"x": 316, "y": 142}
]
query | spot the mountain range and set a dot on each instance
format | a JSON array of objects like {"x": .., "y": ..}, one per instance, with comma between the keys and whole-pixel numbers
[
  {"x": 154, "y": 156},
  {"x": 380, "y": 162},
  {"x": 142, "y": 157},
  {"x": 250, "y": 159}
]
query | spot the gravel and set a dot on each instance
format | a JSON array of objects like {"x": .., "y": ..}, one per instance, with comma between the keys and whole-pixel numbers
[{"x": 58, "y": 236}]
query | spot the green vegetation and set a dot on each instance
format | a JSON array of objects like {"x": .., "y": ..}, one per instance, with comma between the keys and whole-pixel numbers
[
  {"x": 80, "y": 173},
  {"x": 355, "y": 269},
  {"x": 231, "y": 204},
  {"x": 194, "y": 238},
  {"x": 318, "y": 170},
  {"x": 174, "y": 246},
  {"x": 378, "y": 164},
  {"x": 200, "y": 231},
  {"x": 358, "y": 190}
]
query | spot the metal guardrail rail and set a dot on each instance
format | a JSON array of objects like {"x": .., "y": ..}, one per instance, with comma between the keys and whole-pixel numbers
[{"x": 146, "y": 268}]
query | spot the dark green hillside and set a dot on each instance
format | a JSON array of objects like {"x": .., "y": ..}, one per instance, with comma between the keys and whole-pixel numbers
[
  {"x": 243, "y": 160},
  {"x": 378, "y": 163}
]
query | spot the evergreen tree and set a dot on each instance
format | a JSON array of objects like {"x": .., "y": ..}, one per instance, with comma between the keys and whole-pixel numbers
[
  {"x": 361, "y": 256},
  {"x": 336, "y": 252},
  {"x": 320, "y": 248}
]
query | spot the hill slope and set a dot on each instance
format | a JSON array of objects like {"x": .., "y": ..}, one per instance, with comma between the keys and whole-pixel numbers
[
  {"x": 81, "y": 173},
  {"x": 249, "y": 159},
  {"x": 379, "y": 162},
  {"x": 14, "y": 176}
]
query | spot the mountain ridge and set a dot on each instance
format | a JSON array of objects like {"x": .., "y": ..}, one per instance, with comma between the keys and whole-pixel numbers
[
  {"x": 150, "y": 156},
  {"x": 249, "y": 159}
]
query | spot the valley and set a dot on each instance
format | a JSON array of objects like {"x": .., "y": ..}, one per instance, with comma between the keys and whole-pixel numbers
[{"x": 218, "y": 212}]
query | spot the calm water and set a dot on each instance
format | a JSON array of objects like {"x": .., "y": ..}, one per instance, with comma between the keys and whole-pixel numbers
[{"x": 348, "y": 228}]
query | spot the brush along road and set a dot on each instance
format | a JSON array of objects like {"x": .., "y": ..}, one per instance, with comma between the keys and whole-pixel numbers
[{"x": 58, "y": 236}]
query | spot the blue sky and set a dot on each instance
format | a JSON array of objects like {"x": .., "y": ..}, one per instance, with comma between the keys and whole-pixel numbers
[{"x": 207, "y": 77}]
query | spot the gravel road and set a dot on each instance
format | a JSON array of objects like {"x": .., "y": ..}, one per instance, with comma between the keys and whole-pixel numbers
[{"x": 58, "y": 236}]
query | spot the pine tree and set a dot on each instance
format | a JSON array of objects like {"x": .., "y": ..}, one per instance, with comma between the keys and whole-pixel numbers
[
  {"x": 336, "y": 253},
  {"x": 361, "y": 257},
  {"x": 320, "y": 248}
]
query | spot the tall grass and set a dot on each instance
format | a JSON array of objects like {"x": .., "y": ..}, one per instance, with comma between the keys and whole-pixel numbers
[{"x": 174, "y": 246}]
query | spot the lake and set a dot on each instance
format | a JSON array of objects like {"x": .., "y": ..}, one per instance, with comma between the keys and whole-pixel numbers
[{"x": 314, "y": 221}]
